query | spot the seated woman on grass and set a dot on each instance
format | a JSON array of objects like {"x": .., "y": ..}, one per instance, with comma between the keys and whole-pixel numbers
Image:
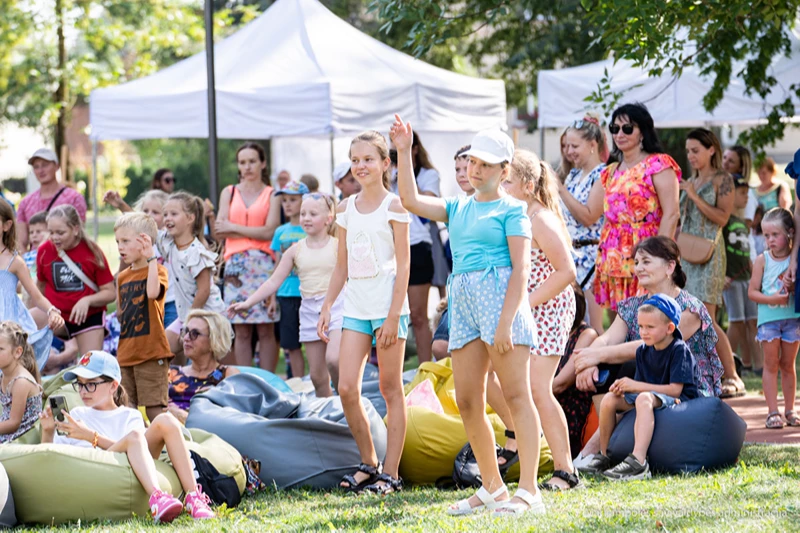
[{"x": 104, "y": 422}]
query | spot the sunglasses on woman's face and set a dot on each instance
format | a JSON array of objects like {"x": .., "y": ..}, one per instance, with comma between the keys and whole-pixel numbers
[
  {"x": 168, "y": 179},
  {"x": 627, "y": 129},
  {"x": 193, "y": 334}
]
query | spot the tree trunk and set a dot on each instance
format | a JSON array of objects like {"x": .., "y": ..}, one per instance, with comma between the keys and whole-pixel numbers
[{"x": 60, "y": 96}]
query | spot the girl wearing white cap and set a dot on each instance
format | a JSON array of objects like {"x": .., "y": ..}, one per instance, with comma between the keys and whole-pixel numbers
[{"x": 490, "y": 321}]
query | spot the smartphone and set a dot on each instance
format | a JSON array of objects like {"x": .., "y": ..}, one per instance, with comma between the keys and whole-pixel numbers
[
  {"x": 58, "y": 404},
  {"x": 602, "y": 377}
]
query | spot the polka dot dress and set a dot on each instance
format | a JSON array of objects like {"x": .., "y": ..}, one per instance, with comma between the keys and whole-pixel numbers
[{"x": 554, "y": 318}]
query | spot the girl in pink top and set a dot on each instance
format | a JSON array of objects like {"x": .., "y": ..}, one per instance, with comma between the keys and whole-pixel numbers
[{"x": 248, "y": 215}]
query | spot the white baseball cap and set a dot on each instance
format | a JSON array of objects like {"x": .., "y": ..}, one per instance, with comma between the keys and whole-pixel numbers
[
  {"x": 340, "y": 171},
  {"x": 491, "y": 146},
  {"x": 44, "y": 153}
]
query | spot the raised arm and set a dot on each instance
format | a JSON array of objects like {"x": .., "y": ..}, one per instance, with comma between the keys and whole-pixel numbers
[{"x": 422, "y": 205}]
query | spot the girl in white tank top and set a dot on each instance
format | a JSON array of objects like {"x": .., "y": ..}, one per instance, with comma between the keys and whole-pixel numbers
[
  {"x": 374, "y": 261},
  {"x": 314, "y": 259}
]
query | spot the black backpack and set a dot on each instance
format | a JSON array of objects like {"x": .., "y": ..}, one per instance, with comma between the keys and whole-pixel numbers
[{"x": 221, "y": 489}]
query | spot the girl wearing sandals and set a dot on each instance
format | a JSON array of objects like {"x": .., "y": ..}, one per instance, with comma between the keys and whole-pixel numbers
[
  {"x": 778, "y": 324},
  {"x": 373, "y": 259},
  {"x": 490, "y": 321}
]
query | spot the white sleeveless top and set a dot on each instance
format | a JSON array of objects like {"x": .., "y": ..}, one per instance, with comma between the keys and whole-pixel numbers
[
  {"x": 371, "y": 263},
  {"x": 315, "y": 266}
]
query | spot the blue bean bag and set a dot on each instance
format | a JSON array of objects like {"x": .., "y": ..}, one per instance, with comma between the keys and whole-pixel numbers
[
  {"x": 266, "y": 375},
  {"x": 701, "y": 434}
]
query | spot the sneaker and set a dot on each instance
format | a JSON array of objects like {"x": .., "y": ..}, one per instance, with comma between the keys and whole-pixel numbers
[
  {"x": 597, "y": 465},
  {"x": 164, "y": 507},
  {"x": 628, "y": 470},
  {"x": 582, "y": 460},
  {"x": 198, "y": 504}
]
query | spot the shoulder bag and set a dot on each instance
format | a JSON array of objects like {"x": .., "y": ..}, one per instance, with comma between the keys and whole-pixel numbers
[{"x": 694, "y": 249}]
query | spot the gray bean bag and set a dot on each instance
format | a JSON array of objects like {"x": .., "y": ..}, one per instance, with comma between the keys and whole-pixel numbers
[
  {"x": 300, "y": 441},
  {"x": 370, "y": 387}
]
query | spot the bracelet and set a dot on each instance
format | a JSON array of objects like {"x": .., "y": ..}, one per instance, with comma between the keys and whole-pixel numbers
[
  {"x": 151, "y": 258},
  {"x": 54, "y": 308},
  {"x": 96, "y": 438}
]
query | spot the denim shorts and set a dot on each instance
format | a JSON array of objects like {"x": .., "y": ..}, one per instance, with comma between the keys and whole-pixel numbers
[
  {"x": 787, "y": 330},
  {"x": 666, "y": 401},
  {"x": 740, "y": 307},
  {"x": 476, "y": 301},
  {"x": 369, "y": 327}
]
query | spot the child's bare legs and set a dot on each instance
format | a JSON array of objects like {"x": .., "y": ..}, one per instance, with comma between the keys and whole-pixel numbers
[
  {"x": 165, "y": 430},
  {"x": 267, "y": 347},
  {"x": 644, "y": 425},
  {"x": 390, "y": 362},
  {"x": 769, "y": 379},
  {"x": 315, "y": 351},
  {"x": 554, "y": 423},
  {"x": 355, "y": 350},
  {"x": 332, "y": 355},
  {"x": 90, "y": 340},
  {"x": 135, "y": 446},
  {"x": 609, "y": 407},
  {"x": 297, "y": 362},
  {"x": 243, "y": 344},
  {"x": 788, "y": 374},
  {"x": 737, "y": 336},
  {"x": 154, "y": 411},
  {"x": 495, "y": 399}
]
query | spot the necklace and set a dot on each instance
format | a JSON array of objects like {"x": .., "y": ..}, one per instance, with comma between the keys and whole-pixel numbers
[{"x": 183, "y": 246}]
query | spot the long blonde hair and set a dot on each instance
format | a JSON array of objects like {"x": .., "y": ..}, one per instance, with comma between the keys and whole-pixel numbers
[
  {"x": 377, "y": 140},
  {"x": 540, "y": 183},
  {"x": 70, "y": 216}
]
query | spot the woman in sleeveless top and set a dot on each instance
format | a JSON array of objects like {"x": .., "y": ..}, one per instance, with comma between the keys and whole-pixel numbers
[{"x": 248, "y": 215}]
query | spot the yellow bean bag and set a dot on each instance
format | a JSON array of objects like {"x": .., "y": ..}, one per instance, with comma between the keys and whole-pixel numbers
[{"x": 433, "y": 440}]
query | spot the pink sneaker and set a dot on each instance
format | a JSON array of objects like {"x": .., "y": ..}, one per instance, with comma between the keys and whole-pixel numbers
[
  {"x": 164, "y": 507},
  {"x": 198, "y": 505}
]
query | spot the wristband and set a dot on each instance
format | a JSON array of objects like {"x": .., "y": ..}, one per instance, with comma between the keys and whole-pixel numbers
[
  {"x": 151, "y": 258},
  {"x": 54, "y": 308}
]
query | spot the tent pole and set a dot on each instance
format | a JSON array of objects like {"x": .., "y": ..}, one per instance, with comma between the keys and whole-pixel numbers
[
  {"x": 541, "y": 144},
  {"x": 95, "y": 214},
  {"x": 333, "y": 165},
  {"x": 213, "y": 167}
]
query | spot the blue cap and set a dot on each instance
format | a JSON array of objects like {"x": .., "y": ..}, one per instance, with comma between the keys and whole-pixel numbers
[
  {"x": 668, "y": 306},
  {"x": 93, "y": 365},
  {"x": 793, "y": 168},
  {"x": 294, "y": 187}
]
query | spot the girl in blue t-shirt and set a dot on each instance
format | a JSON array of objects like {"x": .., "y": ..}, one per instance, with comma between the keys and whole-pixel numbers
[{"x": 490, "y": 319}]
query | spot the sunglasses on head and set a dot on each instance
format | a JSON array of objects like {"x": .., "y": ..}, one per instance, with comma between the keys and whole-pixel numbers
[
  {"x": 627, "y": 129},
  {"x": 193, "y": 333},
  {"x": 319, "y": 196},
  {"x": 88, "y": 387}
]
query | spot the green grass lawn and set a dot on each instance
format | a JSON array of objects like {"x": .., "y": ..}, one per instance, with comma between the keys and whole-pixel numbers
[{"x": 761, "y": 493}]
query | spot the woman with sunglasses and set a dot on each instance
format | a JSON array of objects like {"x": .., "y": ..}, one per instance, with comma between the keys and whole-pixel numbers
[
  {"x": 105, "y": 422},
  {"x": 207, "y": 339},
  {"x": 163, "y": 180},
  {"x": 641, "y": 200}
]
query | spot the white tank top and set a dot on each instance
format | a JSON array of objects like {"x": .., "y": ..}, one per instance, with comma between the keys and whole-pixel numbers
[
  {"x": 371, "y": 263},
  {"x": 315, "y": 266}
]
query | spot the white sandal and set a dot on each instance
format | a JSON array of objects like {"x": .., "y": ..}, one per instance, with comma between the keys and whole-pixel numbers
[
  {"x": 488, "y": 502},
  {"x": 533, "y": 504}
]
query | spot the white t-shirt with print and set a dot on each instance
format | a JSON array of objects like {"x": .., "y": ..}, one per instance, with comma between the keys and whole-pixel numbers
[{"x": 114, "y": 424}]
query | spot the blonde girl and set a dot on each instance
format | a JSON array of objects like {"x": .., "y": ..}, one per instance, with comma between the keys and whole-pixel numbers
[
  {"x": 374, "y": 261},
  {"x": 74, "y": 275},
  {"x": 490, "y": 321},
  {"x": 551, "y": 299},
  {"x": 314, "y": 260},
  {"x": 190, "y": 264},
  {"x": 20, "y": 386},
  {"x": 778, "y": 323}
]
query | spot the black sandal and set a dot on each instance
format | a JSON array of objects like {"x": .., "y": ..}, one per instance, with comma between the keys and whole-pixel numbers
[
  {"x": 373, "y": 472},
  {"x": 572, "y": 480},
  {"x": 511, "y": 458},
  {"x": 390, "y": 485}
]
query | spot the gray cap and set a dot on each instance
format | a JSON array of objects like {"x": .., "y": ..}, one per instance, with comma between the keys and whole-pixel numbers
[{"x": 44, "y": 153}]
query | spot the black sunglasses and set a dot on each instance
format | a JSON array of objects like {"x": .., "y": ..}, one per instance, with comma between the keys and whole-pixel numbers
[
  {"x": 168, "y": 180},
  {"x": 627, "y": 129},
  {"x": 88, "y": 387},
  {"x": 193, "y": 333}
]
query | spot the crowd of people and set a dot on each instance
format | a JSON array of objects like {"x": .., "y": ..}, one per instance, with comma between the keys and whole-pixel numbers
[{"x": 533, "y": 262}]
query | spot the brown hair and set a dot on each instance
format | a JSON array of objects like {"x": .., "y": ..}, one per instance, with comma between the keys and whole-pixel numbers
[
  {"x": 193, "y": 205},
  {"x": 539, "y": 180},
  {"x": 378, "y": 141},
  {"x": 768, "y": 164},
  {"x": 310, "y": 181},
  {"x": 10, "y": 236},
  {"x": 460, "y": 152},
  {"x": 156, "y": 185},
  {"x": 564, "y": 166},
  {"x": 262, "y": 156},
  {"x": 422, "y": 159},
  {"x": 745, "y": 160},
  {"x": 121, "y": 397},
  {"x": 666, "y": 249},
  {"x": 38, "y": 218},
  {"x": 71, "y": 218},
  {"x": 19, "y": 338},
  {"x": 708, "y": 140}
]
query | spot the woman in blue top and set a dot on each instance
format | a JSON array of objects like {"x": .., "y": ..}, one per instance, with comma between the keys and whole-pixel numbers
[{"x": 490, "y": 321}]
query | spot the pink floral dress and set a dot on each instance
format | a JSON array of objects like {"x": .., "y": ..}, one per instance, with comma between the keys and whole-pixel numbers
[
  {"x": 632, "y": 213},
  {"x": 555, "y": 317}
]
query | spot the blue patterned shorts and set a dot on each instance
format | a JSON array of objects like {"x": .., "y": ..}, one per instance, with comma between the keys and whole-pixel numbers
[{"x": 476, "y": 301}]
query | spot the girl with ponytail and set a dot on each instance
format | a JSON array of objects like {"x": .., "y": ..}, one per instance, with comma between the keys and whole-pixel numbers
[{"x": 20, "y": 389}]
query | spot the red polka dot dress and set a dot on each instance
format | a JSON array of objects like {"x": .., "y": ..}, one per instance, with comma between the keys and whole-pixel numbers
[{"x": 553, "y": 318}]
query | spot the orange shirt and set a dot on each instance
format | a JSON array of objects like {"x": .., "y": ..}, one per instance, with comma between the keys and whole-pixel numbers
[
  {"x": 252, "y": 217},
  {"x": 142, "y": 336}
]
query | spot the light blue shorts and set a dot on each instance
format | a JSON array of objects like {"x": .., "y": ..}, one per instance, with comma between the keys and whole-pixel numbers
[
  {"x": 369, "y": 327},
  {"x": 476, "y": 301},
  {"x": 666, "y": 401},
  {"x": 787, "y": 330}
]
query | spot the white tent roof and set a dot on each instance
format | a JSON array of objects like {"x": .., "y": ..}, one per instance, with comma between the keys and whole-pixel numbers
[
  {"x": 673, "y": 103},
  {"x": 297, "y": 70}
]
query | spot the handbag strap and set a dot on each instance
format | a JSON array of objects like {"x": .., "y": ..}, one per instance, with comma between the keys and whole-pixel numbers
[
  {"x": 77, "y": 271},
  {"x": 53, "y": 200}
]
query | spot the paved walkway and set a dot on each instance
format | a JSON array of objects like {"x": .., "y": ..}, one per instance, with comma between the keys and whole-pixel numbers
[{"x": 753, "y": 409}]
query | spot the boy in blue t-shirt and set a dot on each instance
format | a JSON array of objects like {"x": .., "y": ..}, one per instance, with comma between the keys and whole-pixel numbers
[
  {"x": 665, "y": 371},
  {"x": 288, "y": 295}
]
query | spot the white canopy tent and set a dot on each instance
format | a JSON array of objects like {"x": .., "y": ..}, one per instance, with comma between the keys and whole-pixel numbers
[
  {"x": 301, "y": 74},
  {"x": 672, "y": 102}
]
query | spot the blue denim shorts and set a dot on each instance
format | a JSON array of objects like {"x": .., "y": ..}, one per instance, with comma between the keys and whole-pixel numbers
[
  {"x": 787, "y": 330},
  {"x": 476, "y": 301},
  {"x": 666, "y": 401},
  {"x": 369, "y": 327}
]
